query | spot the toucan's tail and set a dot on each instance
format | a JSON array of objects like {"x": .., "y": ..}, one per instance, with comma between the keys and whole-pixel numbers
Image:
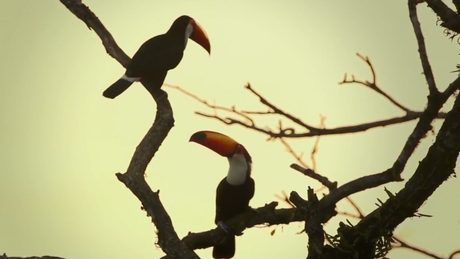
[
  {"x": 225, "y": 250},
  {"x": 117, "y": 88}
]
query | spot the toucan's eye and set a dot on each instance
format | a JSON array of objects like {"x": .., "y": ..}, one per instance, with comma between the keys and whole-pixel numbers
[{"x": 239, "y": 150}]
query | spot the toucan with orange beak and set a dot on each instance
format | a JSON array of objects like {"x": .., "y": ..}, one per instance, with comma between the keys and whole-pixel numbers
[
  {"x": 160, "y": 54},
  {"x": 234, "y": 191}
]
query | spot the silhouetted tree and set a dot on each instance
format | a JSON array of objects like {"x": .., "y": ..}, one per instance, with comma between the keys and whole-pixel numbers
[{"x": 372, "y": 236}]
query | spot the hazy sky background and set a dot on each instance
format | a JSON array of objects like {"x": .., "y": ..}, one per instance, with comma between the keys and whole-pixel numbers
[{"x": 62, "y": 142}]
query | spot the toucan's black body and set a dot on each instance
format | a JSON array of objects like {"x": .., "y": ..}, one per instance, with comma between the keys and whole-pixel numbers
[
  {"x": 234, "y": 191},
  {"x": 157, "y": 56},
  {"x": 231, "y": 200}
]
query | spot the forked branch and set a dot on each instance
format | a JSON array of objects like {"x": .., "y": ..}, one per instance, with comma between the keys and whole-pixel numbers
[
  {"x": 247, "y": 119},
  {"x": 145, "y": 151}
]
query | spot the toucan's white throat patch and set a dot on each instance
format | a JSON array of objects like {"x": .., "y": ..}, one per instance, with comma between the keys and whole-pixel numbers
[{"x": 238, "y": 170}]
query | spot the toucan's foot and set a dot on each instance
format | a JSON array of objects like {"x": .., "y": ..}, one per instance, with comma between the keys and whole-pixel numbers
[{"x": 223, "y": 226}]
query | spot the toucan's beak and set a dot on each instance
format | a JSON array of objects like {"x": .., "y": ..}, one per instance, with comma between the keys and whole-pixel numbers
[
  {"x": 219, "y": 143},
  {"x": 200, "y": 37}
]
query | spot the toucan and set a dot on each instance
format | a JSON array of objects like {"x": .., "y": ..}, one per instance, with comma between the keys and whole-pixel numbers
[
  {"x": 234, "y": 191},
  {"x": 160, "y": 54}
]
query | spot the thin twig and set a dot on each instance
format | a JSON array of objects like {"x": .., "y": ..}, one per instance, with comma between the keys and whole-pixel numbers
[
  {"x": 291, "y": 133},
  {"x": 403, "y": 244},
  {"x": 277, "y": 110},
  {"x": 372, "y": 84},
  {"x": 314, "y": 151},
  {"x": 212, "y": 106},
  {"x": 312, "y": 174}
]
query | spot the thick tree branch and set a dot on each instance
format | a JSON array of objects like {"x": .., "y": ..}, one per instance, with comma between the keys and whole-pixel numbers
[
  {"x": 145, "y": 151},
  {"x": 321, "y": 212},
  {"x": 358, "y": 185},
  {"x": 267, "y": 215},
  {"x": 427, "y": 167},
  {"x": 433, "y": 170},
  {"x": 435, "y": 103},
  {"x": 450, "y": 19},
  {"x": 90, "y": 19},
  {"x": 313, "y": 223},
  {"x": 333, "y": 185}
]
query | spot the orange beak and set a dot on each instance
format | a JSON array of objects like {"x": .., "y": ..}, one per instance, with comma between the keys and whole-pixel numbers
[
  {"x": 217, "y": 142},
  {"x": 200, "y": 37}
]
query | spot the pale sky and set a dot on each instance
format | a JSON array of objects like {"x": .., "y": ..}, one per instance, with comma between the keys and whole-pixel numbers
[{"x": 62, "y": 142}]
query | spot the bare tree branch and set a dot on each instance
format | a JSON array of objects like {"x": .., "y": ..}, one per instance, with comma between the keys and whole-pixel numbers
[
  {"x": 212, "y": 106},
  {"x": 435, "y": 103},
  {"x": 313, "y": 222},
  {"x": 450, "y": 19},
  {"x": 303, "y": 167},
  {"x": 315, "y": 148},
  {"x": 90, "y": 19},
  {"x": 360, "y": 215},
  {"x": 145, "y": 151},
  {"x": 433, "y": 170},
  {"x": 451, "y": 256},
  {"x": 421, "y": 47},
  {"x": 277, "y": 110},
  {"x": 291, "y": 133},
  {"x": 298, "y": 157},
  {"x": 312, "y": 174},
  {"x": 266, "y": 215},
  {"x": 373, "y": 84},
  {"x": 329, "y": 201},
  {"x": 311, "y": 131},
  {"x": 403, "y": 244},
  {"x": 358, "y": 185},
  {"x": 452, "y": 87}
]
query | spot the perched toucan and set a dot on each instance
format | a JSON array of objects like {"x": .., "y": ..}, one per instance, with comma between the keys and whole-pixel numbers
[
  {"x": 160, "y": 54},
  {"x": 234, "y": 191}
]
